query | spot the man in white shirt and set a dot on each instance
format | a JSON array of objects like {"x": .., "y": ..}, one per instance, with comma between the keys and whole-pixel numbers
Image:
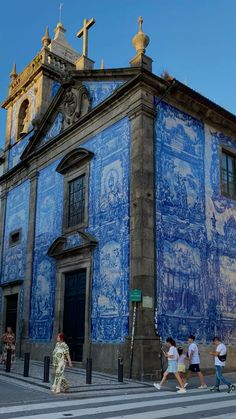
[
  {"x": 194, "y": 362},
  {"x": 220, "y": 358}
]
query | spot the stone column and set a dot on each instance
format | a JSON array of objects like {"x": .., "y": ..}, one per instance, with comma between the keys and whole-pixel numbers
[
  {"x": 30, "y": 248},
  {"x": 142, "y": 253}
]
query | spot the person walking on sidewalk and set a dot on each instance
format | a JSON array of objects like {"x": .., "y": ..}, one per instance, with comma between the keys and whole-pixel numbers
[
  {"x": 9, "y": 342},
  {"x": 181, "y": 363},
  {"x": 172, "y": 356},
  {"x": 220, "y": 355},
  {"x": 60, "y": 356},
  {"x": 194, "y": 362}
]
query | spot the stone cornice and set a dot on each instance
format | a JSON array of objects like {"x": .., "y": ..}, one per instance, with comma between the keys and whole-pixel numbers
[
  {"x": 59, "y": 248},
  {"x": 11, "y": 283},
  {"x": 143, "y": 109},
  {"x": 180, "y": 96},
  {"x": 190, "y": 101}
]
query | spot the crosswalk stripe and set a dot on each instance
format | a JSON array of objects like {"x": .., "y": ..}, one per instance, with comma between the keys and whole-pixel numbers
[
  {"x": 77, "y": 402},
  {"x": 158, "y": 397},
  {"x": 224, "y": 416},
  {"x": 148, "y": 415},
  {"x": 73, "y": 402},
  {"x": 176, "y": 411}
]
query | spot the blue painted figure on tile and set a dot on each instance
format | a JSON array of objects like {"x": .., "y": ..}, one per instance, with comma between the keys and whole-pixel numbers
[{"x": 195, "y": 230}]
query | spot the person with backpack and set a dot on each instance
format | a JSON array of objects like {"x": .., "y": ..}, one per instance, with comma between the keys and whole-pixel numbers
[
  {"x": 194, "y": 362},
  {"x": 220, "y": 355}
]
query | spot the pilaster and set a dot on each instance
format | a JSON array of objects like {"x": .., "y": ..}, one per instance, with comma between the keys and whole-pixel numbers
[
  {"x": 30, "y": 247},
  {"x": 142, "y": 252},
  {"x": 3, "y": 200}
]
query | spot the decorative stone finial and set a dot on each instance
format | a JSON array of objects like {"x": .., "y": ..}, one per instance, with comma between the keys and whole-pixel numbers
[
  {"x": 13, "y": 73},
  {"x": 46, "y": 40},
  {"x": 140, "y": 41},
  {"x": 59, "y": 29}
]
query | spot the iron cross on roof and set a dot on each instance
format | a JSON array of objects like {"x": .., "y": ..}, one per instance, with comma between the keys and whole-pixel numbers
[{"x": 84, "y": 32}]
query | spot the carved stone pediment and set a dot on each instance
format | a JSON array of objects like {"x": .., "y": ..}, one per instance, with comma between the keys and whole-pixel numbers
[
  {"x": 73, "y": 159},
  {"x": 72, "y": 244},
  {"x": 74, "y": 104},
  {"x": 70, "y": 104}
]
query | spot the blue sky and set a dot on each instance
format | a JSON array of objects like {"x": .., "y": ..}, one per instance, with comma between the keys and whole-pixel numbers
[{"x": 194, "y": 40}]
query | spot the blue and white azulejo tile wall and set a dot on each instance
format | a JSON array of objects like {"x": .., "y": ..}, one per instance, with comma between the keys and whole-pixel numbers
[
  {"x": 101, "y": 90},
  {"x": 109, "y": 223},
  {"x": 48, "y": 228},
  {"x": 17, "y": 216},
  {"x": 195, "y": 229}
]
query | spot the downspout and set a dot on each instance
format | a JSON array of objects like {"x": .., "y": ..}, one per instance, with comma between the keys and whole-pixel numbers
[{"x": 165, "y": 94}]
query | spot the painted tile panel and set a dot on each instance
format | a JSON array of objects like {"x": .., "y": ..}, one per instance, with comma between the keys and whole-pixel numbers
[
  {"x": 109, "y": 223},
  {"x": 53, "y": 131},
  {"x": 55, "y": 87},
  {"x": 221, "y": 231},
  {"x": 195, "y": 231},
  {"x": 17, "y": 215},
  {"x": 17, "y": 149},
  {"x": 101, "y": 90},
  {"x": 48, "y": 228}
]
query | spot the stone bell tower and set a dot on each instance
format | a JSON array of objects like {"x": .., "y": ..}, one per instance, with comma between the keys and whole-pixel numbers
[{"x": 32, "y": 90}]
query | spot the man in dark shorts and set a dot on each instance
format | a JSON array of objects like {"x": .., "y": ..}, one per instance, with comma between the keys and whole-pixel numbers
[{"x": 194, "y": 362}]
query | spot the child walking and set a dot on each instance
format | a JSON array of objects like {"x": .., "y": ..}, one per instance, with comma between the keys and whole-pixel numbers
[
  {"x": 172, "y": 356},
  {"x": 181, "y": 364}
]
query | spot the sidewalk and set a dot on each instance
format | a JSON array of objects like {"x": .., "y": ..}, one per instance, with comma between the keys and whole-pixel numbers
[
  {"x": 101, "y": 382},
  {"x": 75, "y": 376}
]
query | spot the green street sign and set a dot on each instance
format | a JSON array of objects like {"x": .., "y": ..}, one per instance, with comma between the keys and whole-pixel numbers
[{"x": 135, "y": 296}]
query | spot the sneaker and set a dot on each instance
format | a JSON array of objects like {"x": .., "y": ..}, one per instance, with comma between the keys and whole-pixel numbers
[
  {"x": 185, "y": 385},
  {"x": 230, "y": 388},
  {"x": 182, "y": 390},
  {"x": 203, "y": 386},
  {"x": 215, "y": 389},
  {"x": 157, "y": 386}
]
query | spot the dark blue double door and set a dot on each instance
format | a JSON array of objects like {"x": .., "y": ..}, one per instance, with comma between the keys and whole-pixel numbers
[{"x": 74, "y": 312}]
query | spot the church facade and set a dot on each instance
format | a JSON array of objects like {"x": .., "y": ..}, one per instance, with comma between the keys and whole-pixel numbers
[{"x": 115, "y": 180}]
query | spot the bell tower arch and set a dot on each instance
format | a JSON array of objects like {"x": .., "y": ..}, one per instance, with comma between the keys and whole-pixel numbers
[{"x": 32, "y": 90}]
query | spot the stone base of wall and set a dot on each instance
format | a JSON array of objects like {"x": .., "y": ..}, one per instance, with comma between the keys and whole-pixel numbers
[
  {"x": 37, "y": 350},
  {"x": 146, "y": 357},
  {"x": 207, "y": 361}
]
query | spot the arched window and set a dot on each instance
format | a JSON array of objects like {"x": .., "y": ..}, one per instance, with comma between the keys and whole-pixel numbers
[{"x": 23, "y": 119}]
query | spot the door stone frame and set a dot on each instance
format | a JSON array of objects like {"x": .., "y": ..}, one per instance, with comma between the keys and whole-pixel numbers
[
  {"x": 64, "y": 266},
  {"x": 9, "y": 289}
]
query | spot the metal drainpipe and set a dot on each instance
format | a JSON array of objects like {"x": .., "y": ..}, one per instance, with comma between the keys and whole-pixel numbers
[{"x": 169, "y": 88}]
